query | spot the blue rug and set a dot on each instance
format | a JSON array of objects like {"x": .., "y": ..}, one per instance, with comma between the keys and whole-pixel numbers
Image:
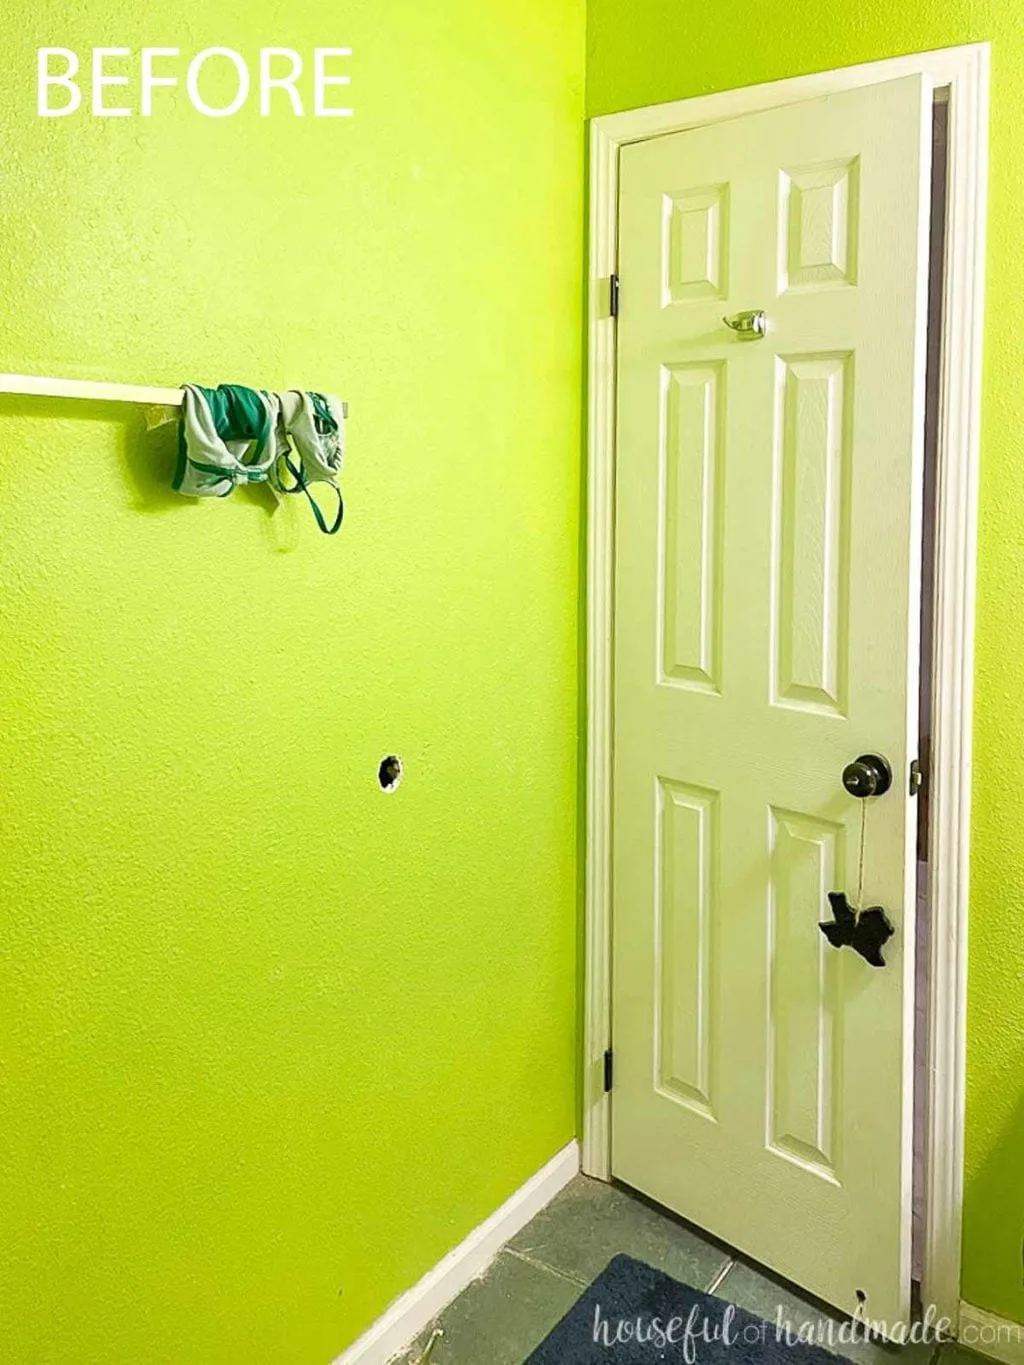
[{"x": 635, "y": 1315}]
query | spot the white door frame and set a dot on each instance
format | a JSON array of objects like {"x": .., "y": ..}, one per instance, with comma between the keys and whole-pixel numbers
[{"x": 961, "y": 75}]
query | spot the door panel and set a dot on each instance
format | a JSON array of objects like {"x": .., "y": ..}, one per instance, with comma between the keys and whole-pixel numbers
[
  {"x": 805, "y": 1062},
  {"x": 811, "y": 541},
  {"x": 766, "y": 589},
  {"x": 691, "y": 567},
  {"x": 684, "y": 928}
]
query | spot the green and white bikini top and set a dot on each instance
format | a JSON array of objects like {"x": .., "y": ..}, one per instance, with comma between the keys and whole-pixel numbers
[{"x": 236, "y": 435}]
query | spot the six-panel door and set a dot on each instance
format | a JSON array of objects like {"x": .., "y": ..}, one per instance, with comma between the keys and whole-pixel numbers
[{"x": 767, "y": 562}]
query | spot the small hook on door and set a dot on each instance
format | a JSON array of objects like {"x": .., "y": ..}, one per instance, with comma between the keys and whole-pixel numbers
[{"x": 749, "y": 326}]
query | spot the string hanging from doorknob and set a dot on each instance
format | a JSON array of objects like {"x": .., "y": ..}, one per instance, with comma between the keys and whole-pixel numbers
[
  {"x": 865, "y": 931},
  {"x": 860, "y": 851}
]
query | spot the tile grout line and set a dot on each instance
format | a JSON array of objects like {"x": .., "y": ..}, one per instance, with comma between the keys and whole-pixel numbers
[
  {"x": 720, "y": 1276},
  {"x": 543, "y": 1265}
]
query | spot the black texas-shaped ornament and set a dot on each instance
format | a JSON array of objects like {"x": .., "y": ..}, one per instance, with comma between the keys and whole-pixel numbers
[{"x": 865, "y": 933}]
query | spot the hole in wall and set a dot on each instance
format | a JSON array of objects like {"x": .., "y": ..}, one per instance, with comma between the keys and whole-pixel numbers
[{"x": 389, "y": 774}]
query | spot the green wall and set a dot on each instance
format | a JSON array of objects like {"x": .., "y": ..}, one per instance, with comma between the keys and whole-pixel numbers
[
  {"x": 648, "y": 51},
  {"x": 272, "y": 1042}
]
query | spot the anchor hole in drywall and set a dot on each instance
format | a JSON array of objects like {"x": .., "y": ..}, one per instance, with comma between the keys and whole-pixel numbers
[{"x": 389, "y": 774}]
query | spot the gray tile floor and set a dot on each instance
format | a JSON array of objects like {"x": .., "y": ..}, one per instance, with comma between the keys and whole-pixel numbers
[{"x": 501, "y": 1317}]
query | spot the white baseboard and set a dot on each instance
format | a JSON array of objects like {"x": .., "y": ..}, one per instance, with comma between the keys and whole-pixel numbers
[
  {"x": 992, "y": 1336},
  {"x": 408, "y": 1315}
]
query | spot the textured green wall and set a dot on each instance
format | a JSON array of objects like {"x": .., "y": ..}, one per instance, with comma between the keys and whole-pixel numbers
[
  {"x": 654, "y": 50},
  {"x": 272, "y": 1042}
]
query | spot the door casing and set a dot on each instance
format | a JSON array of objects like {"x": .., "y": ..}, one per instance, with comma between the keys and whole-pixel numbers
[{"x": 961, "y": 76}]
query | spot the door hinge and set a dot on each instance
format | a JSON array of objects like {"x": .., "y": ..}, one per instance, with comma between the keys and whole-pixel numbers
[
  {"x": 613, "y": 297},
  {"x": 916, "y": 777},
  {"x": 607, "y": 1071}
]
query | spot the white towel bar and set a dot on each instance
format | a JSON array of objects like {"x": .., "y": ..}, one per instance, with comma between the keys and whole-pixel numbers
[{"x": 44, "y": 386}]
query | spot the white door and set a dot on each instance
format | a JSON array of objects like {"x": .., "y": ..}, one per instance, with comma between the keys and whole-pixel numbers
[{"x": 767, "y": 565}]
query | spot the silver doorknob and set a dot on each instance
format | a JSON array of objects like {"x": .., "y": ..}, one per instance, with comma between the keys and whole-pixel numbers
[{"x": 749, "y": 326}]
